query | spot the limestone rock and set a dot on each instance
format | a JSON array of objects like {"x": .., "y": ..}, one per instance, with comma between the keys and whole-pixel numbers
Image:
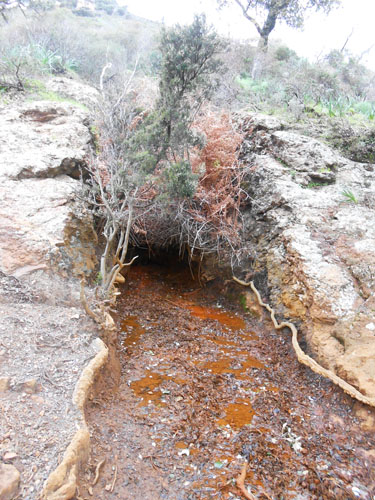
[
  {"x": 9, "y": 455},
  {"x": 258, "y": 121},
  {"x": 30, "y": 386},
  {"x": 43, "y": 146},
  {"x": 316, "y": 245},
  {"x": 73, "y": 89},
  {"x": 43, "y": 139},
  {"x": 9, "y": 481},
  {"x": 305, "y": 154}
]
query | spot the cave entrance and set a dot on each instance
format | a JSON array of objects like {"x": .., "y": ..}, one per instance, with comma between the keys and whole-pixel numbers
[{"x": 171, "y": 259}]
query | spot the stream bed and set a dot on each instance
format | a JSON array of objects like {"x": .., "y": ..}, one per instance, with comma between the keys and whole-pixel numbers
[{"x": 206, "y": 388}]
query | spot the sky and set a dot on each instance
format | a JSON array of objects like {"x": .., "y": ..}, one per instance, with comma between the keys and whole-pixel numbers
[{"x": 321, "y": 33}]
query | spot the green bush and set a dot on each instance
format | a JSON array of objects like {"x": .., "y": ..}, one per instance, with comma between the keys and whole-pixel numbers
[
  {"x": 179, "y": 181},
  {"x": 84, "y": 12}
]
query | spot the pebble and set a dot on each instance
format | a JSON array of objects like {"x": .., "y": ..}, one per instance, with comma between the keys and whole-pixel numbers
[
  {"x": 30, "y": 386},
  {"x": 9, "y": 481},
  {"x": 9, "y": 455},
  {"x": 4, "y": 384}
]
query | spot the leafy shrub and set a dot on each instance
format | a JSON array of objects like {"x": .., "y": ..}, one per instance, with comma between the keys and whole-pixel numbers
[
  {"x": 78, "y": 44},
  {"x": 179, "y": 181},
  {"x": 284, "y": 53},
  {"x": 84, "y": 12}
]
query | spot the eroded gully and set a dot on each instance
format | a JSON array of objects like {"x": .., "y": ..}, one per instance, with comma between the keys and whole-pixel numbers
[{"x": 204, "y": 389}]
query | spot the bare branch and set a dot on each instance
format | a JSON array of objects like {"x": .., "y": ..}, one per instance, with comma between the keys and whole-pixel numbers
[
  {"x": 101, "y": 84},
  {"x": 247, "y": 15}
]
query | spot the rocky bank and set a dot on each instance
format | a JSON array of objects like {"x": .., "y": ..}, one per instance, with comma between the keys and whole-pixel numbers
[
  {"x": 311, "y": 227},
  {"x": 47, "y": 241}
]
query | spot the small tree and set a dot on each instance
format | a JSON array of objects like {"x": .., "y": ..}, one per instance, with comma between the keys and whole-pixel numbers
[
  {"x": 186, "y": 81},
  {"x": 264, "y": 14},
  {"x": 37, "y": 5},
  {"x": 187, "y": 71}
]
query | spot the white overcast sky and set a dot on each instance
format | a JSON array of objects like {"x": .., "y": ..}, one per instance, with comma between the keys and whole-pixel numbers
[{"x": 321, "y": 32}]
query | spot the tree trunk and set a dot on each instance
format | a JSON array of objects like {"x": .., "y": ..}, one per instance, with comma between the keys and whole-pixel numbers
[
  {"x": 259, "y": 59},
  {"x": 262, "y": 47}
]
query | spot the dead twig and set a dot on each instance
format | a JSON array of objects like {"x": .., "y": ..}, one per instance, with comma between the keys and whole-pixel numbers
[
  {"x": 174, "y": 304},
  {"x": 97, "y": 471},
  {"x": 240, "y": 482},
  {"x": 33, "y": 471},
  {"x": 48, "y": 379},
  {"x": 114, "y": 480}
]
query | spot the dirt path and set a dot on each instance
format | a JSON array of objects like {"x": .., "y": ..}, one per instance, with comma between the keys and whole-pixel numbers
[{"x": 204, "y": 390}]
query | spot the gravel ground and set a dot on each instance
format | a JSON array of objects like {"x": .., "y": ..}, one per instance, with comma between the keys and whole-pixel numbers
[{"x": 45, "y": 341}]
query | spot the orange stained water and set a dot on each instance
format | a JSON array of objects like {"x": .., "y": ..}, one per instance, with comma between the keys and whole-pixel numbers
[
  {"x": 221, "y": 341},
  {"x": 232, "y": 365},
  {"x": 144, "y": 277},
  {"x": 148, "y": 387},
  {"x": 237, "y": 414},
  {"x": 231, "y": 321},
  {"x": 181, "y": 445},
  {"x": 134, "y": 330}
]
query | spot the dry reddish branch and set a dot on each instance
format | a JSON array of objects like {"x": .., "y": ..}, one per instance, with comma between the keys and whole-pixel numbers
[
  {"x": 240, "y": 481},
  {"x": 218, "y": 196},
  {"x": 211, "y": 221}
]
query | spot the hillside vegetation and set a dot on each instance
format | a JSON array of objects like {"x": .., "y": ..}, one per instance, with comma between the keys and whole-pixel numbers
[{"x": 65, "y": 41}]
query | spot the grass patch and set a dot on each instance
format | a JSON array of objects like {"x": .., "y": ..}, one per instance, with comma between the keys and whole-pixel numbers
[
  {"x": 349, "y": 196},
  {"x": 40, "y": 93}
]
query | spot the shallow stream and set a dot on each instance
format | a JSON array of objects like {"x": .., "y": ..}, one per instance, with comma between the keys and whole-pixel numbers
[{"x": 205, "y": 389}]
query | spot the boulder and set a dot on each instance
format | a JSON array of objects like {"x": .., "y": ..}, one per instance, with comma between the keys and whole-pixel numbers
[{"x": 43, "y": 139}]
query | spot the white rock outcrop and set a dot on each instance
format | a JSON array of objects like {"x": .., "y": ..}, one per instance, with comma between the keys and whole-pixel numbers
[
  {"x": 311, "y": 224},
  {"x": 43, "y": 146},
  {"x": 47, "y": 240}
]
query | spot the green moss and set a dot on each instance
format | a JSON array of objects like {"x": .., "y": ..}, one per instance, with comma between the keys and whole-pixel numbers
[
  {"x": 242, "y": 300},
  {"x": 94, "y": 131},
  {"x": 312, "y": 185},
  {"x": 40, "y": 93}
]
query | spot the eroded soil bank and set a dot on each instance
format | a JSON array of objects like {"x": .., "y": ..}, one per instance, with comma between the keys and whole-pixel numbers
[{"x": 205, "y": 388}]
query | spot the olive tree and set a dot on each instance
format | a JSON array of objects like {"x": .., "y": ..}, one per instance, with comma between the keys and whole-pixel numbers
[{"x": 264, "y": 14}]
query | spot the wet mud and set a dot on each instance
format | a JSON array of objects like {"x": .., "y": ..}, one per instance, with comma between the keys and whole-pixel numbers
[{"x": 205, "y": 389}]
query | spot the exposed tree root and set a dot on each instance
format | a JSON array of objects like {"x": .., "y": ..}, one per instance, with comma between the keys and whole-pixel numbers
[
  {"x": 89, "y": 312},
  {"x": 304, "y": 358},
  {"x": 240, "y": 482}
]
